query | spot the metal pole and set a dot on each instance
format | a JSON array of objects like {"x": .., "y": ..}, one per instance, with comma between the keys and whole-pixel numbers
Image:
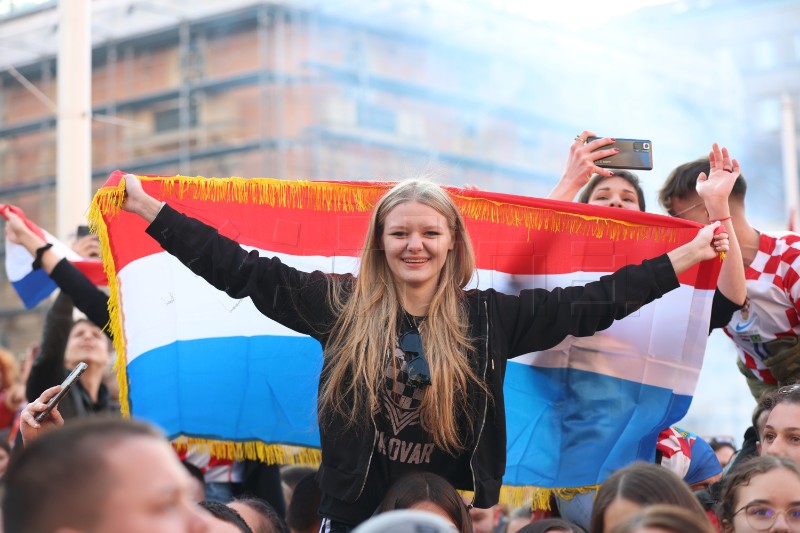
[
  {"x": 789, "y": 149},
  {"x": 184, "y": 98},
  {"x": 73, "y": 131}
]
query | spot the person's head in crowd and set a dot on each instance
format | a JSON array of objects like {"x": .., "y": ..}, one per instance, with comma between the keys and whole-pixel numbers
[
  {"x": 291, "y": 476},
  {"x": 680, "y": 199},
  {"x": 9, "y": 369},
  {"x": 199, "y": 489},
  {"x": 628, "y": 490},
  {"x": 301, "y": 514},
  {"x": 87, "y": 343},
  {"x": 665, "y": 518},
  {"x": 225, "y": 518},
  {"x": 406, "y": 521},
  {"x": 781, "y": 435},
  {"x": 723, "y": 448},
  {"x": 259, "y": 515},
  {"x": 428, "y": 492},
  {"x": 484, "y": 520},
  {"x": 761, "y": 494},
  {"x": 100, "y": 475},
  {"x": 620, "y": 190},
  {"x": 518, "y": 518},
  {"x": 551, "y": 525}
]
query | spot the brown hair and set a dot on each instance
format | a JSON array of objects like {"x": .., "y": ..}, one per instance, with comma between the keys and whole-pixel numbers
[
  {"x": 597, "y": 179},
  {"x": 670, "y": 517},
  {"x": 644, "y": 484},
  {"x": 742, "y": 476},
  {"x": 682, "y": 181},
  {"x": 427, "y": 487}
]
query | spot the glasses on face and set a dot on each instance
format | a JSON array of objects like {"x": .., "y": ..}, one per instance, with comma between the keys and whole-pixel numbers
[
  {"x": 419, "y": 373},
  {"x": 679, "y": 213},
  {"x": 761, "y": 517}
]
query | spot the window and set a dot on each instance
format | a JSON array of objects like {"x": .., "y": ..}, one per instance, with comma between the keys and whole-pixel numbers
[{"x": 170, "y": 119}]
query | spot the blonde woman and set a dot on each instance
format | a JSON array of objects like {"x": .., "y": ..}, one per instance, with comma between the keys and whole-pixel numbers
[{"x": 412, "y": 378}]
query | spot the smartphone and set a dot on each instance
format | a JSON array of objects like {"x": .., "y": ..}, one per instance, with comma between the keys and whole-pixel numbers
[
  {"x": 65, "y": 386},
  {"x": 634, "y": 154},
  {"x": 83, "y": 231}
]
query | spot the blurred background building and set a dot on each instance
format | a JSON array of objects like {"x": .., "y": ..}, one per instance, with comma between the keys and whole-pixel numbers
[{"x": 485, "y": 92}]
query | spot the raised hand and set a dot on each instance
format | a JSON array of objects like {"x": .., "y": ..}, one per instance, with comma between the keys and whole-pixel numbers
[
  {"x": 715, "y": 188},
  {"x": 581, "y": 165},
  {"x": 137, "y": 201}
]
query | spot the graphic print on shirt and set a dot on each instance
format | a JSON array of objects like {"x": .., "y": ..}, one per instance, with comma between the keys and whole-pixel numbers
[
  {"x": 401, "y": 400},
  {"x": 401, "y": 438}
]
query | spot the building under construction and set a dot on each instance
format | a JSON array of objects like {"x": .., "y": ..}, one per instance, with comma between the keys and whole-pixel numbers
[{"x": 320, "y": 90}]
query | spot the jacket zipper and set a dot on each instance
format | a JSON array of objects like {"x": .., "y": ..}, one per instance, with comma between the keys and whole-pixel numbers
[
  {"x": 369, "y": 463},
  {"x": 485, "y": 407}
]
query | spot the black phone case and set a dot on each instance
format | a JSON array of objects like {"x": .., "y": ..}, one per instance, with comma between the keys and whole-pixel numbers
[{"x": 634, "y": 154}]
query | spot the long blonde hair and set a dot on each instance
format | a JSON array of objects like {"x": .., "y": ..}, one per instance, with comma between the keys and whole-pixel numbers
[{"x": 366, "y": 328}]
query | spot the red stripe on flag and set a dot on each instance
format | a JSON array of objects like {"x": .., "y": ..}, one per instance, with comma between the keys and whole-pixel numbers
[{"x": 307, "y": 232}]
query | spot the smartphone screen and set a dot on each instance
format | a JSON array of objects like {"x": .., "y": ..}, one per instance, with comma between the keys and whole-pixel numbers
[
  {"x": 634, "y": 154},
  {"x": 65, "y": 386}
]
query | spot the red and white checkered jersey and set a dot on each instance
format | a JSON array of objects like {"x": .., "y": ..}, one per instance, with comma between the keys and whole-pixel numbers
[{"x": 772, "y": 309}]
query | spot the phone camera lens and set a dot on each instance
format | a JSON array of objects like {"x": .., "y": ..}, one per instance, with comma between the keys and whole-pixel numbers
[{"x": 646, "y": 146}]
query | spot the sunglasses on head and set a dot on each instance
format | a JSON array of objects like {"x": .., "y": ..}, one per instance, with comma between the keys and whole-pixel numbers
[{"x": 419, "y": 373}]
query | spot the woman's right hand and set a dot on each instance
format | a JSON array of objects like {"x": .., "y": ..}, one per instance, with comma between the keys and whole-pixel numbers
[
  {"x": 707, "y": 244},
  {"x": 581, "y": 165},
  {"x": 32, "y": 429},
  {"x": 137, "y": 201}
]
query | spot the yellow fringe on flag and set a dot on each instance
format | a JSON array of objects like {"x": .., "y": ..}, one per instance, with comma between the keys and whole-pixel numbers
[
  {"x": 537, "y": 498},
  {"x": 343, "y": 197},
  {"x": 109, "y": 201},
  {"x": 267, "y": 453}
]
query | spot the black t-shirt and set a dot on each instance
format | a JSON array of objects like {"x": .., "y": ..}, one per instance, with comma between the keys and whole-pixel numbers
[{"x": 403, "y": 446}]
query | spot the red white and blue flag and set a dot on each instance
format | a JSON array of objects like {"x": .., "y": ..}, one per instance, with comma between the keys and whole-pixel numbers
[
  {"x": 205, "y": 366},
  {"x": 31, "y": 285}
]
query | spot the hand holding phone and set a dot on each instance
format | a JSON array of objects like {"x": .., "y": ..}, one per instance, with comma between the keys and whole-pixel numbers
[
  {"x": 634, "y": 154},
  {"x": 65, "y": 387}
]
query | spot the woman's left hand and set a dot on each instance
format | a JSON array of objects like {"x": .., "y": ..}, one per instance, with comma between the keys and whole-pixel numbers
[
  {"x": 710, "y": 242},
  {"x": 707, "y": 244}
]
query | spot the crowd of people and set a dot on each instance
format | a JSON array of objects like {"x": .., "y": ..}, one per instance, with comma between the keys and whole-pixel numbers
[{"x": 406, "y": 330}]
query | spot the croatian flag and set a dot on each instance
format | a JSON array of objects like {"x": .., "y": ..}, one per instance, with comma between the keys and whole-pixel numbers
[
  {"x": 215, "y": 371},
  {"x": 31, "y": 285}
]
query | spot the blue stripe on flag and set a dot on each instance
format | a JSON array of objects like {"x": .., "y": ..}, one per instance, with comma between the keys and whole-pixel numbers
[
  {"x": 34, "y": 287},
  {"x": 587, "y": 425},
  {"x": 232, "y": 388}
]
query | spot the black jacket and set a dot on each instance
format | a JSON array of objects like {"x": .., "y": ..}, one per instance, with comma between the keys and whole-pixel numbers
[
  {"x": 502, "y": 326},
  {"x": 48, "y": 369}
]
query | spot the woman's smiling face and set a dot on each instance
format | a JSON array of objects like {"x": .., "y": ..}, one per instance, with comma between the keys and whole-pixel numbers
[{"x": 416, "y": 240}]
